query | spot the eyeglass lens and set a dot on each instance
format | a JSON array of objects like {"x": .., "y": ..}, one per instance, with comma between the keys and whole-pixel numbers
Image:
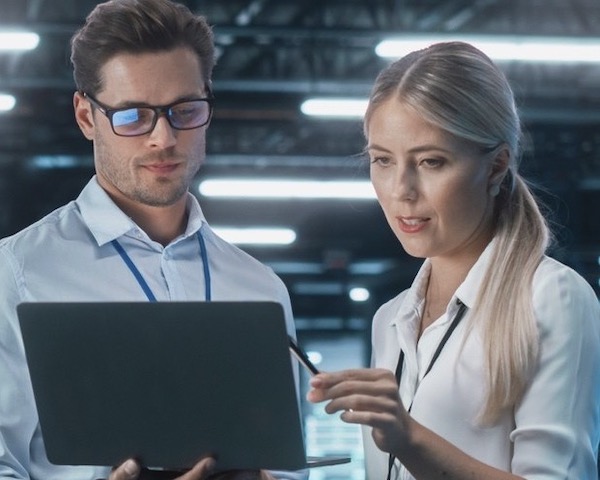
[{"x": 140, "y": 120}]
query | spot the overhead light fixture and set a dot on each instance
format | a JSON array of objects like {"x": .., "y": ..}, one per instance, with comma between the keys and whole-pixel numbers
[
  {"x": 503, "y": 47},
  {"x": 7, "y": 102},
  {"x": 256, "y": 235},
  {"x": 18, "y": 41},
  {"x": 315, "y": 357},
  {"x": 359, "y": 294},
  {"x": 334, "y": 107},
  {"x": 287, "y": 189}
]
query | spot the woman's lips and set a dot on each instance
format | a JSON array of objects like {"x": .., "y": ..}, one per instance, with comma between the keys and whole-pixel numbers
[{"x": 412, "y": 224}]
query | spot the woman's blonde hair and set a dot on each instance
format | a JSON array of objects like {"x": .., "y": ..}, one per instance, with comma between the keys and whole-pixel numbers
[{"x": 457, "y": 88}]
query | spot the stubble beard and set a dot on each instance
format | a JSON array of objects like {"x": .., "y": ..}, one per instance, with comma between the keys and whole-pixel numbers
[
  {"x": 128, "y": 178},
  {"x": 162, "y": 193}
]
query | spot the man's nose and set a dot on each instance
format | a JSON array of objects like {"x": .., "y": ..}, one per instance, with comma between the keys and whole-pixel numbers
[{"x": 163, "y": 135}]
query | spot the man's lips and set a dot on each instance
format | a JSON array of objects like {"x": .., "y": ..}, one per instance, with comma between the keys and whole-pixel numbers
[{"x": 162, "y": 167}]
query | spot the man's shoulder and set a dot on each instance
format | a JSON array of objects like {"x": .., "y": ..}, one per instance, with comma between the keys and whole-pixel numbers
[
  {"x": 38, "y": 233},
  {"x": 240, "y": 268},
  {"x": 235, "y": 253}
]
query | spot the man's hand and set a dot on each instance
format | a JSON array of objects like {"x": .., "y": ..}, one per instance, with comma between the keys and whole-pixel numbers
[{"x": 130, "y": 470}]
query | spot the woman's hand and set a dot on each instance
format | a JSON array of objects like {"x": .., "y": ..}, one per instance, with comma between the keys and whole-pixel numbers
[{"x": 367, "y": 397}]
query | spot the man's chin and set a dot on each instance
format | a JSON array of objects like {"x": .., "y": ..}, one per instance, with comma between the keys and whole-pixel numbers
[{"x": 168, "y": 199}]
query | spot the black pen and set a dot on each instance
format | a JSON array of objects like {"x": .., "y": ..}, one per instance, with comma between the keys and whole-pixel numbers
[{"x": 302, "y": 356}]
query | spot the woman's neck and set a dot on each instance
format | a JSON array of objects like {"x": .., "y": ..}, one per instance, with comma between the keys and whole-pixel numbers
[{"x": 445, "y": 277}]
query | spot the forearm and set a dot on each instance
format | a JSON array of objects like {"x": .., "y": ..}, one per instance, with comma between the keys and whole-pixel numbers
[{"x": 429, "y": 457}]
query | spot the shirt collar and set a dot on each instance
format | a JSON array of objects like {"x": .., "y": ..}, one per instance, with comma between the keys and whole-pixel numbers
[
  {"x": 466, "y": 292},
  {"x": 411, "y": 304},
  {"x": 107, "y": 221}
]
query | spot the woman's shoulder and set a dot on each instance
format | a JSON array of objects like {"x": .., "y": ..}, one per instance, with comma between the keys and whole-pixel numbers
[
  {"x": 560, "y": 278},
  {"x": 562, "y": 296}
]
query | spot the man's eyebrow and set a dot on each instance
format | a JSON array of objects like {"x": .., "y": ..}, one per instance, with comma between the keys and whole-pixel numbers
[{"x": 137, "y": 103}]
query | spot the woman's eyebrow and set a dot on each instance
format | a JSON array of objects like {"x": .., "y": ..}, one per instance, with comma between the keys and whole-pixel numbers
[{"x": 417, "y": 149}]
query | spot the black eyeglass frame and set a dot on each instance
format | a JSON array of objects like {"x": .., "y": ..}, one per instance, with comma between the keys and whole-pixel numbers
[{"x": 158, "y": 112}]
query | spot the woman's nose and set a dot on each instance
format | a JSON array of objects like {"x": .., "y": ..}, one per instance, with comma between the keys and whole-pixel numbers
[{"x": 404, "y": 184}]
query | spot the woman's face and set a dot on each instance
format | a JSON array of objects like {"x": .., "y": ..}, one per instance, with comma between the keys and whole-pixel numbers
[{"x": 432, "y": 187}]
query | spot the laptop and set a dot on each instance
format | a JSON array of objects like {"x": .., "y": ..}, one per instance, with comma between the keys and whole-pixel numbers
[{"x": 165, "y": 383}]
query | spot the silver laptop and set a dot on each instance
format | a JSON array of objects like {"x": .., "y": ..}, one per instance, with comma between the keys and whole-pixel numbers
[{"x": 165, "y": 382}]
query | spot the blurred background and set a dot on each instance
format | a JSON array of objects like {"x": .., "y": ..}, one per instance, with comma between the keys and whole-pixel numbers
[{"x": 336, "y": 253}]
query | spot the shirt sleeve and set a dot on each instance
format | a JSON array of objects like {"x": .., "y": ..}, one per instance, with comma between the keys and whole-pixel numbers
[
  {"x": 284, "y": 298},
  {"x": 557, "y": 422},
  {"x": 18, "y": 415}
]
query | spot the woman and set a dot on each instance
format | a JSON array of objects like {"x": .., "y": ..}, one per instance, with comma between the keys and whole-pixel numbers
[{"x": 496, "y": 347}]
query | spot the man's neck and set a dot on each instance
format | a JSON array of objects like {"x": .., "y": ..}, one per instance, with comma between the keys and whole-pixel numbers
[{"x": 161, "y": 224}]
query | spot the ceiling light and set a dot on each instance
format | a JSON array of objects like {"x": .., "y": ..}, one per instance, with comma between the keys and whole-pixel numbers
[
  {"x": 315, "y": 357},
  {"x": 7, "y": 102},
  {"x": 296, "y": 268},
  {"x": 503, "y": 47},
  {"x": 319, "y": 288},
  {"x": 289, "y": 189},
  {"x": 359, "y": 294},
  {"x": 256, "y": 236},
  {"x": 18, "y": 40},
  {"x": 334, "y": 107}
]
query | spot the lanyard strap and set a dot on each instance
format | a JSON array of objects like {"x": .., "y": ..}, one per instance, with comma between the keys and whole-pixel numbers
[
  {"x": 399, "y": 366},
  {"x": 142, "y": 281}
]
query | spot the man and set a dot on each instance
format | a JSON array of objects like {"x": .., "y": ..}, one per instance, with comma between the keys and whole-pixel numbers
[{"x": 142, "y": 69}]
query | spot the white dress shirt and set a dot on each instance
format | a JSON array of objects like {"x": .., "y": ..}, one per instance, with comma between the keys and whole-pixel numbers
[
  {"x": 68, "y": 256},
  {"x": 553, "y": 432}
]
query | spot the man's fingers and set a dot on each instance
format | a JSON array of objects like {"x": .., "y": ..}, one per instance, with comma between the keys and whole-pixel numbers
[
  {"x": 200, "y": 470},
  {"x": 129, "y": 470}
]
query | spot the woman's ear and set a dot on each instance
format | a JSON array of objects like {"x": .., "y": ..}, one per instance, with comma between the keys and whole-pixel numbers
[
  {"x": 499, "y": 168},
  {"x": 84, "y": 115}
]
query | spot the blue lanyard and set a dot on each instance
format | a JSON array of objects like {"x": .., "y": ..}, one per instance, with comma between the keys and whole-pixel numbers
[{"x": 140, "y": 279}]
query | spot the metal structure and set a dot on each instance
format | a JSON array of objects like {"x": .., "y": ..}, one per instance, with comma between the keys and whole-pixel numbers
[{"x": 272, "y": 54}]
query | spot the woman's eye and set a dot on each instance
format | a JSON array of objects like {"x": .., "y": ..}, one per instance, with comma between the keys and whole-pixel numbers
[
  {"x": 383, "y": 161},
  {"x": 432, "y": 162}
]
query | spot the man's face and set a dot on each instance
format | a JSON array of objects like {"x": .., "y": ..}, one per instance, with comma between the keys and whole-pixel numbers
[{"x": 156, "y": 168}]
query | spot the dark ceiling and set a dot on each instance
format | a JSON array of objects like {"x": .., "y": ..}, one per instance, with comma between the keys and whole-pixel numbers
[{"x": 272, "y": 54}]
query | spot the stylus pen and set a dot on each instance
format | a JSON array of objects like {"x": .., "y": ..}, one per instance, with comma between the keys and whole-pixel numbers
[{"x": 302, "y": 357}]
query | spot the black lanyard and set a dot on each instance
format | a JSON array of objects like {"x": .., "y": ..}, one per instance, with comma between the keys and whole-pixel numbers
[{"x": 455, "y": 321}]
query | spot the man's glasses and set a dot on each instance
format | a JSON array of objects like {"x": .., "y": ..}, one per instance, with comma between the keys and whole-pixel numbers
[{"x": 134, "y": 121}]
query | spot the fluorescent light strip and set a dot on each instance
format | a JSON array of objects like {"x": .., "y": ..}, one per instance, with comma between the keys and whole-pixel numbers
[
  {"x": 504, "y": 47},
  {"x": 7, "y": 102},
  {"x": 334, "y": 107},
  {"x": 256, "y": 235},
  {"x": 18, "y": 41},
  {"x": 287, "y": 189}
]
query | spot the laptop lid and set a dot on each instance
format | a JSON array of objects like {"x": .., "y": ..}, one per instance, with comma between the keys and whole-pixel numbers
[{"x": 164, "y": 382}]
